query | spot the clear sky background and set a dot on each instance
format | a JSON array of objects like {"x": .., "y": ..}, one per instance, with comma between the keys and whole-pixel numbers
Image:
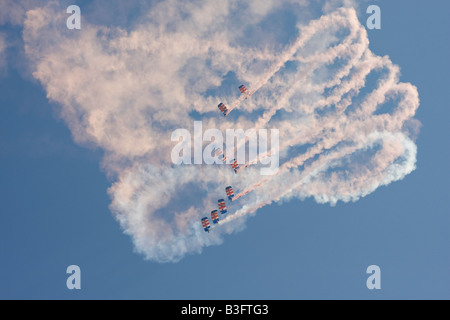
[{"x": 54, "y": 207}]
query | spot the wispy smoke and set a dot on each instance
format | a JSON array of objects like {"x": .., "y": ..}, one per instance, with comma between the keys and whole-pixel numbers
[
  {"x": 3, "y": 47},
  {"x": 345, "y": 119}
]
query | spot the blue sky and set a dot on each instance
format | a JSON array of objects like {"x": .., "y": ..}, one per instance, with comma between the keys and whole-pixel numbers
[{"x": 55, "y": 207}]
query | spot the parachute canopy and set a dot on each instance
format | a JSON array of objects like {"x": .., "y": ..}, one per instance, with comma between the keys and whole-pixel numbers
[
  {"x": 235, "y": 166},
  {"x": 220, "y": 155},
  {"x": 222, "y": 206},
  {"x": 205, "y": 224},
  {"x": 215, "y": 216},
  {"x": 243, "y": 89},
  {"x": 223, "y": 108},
  {"x": 230, "y": 193}
]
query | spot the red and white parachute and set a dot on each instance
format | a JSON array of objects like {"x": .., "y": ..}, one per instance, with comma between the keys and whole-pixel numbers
[
  {"x": 243, "y": 89},
  {"x": 215, "y": 216},
  {"x": 223, "y": 108},
  {"x": 205, "y": 224},
  {"x": 245, "y": 94}
]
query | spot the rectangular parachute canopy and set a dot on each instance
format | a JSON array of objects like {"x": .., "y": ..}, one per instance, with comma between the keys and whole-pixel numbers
[
  {"x": 223, "y": 108},
  {"x": 205, "y": 224},
  {"x": 235, "y": 166},
  {"x": 215, "y": 216},
  {"x": 222, "y": 206},
  {"x": 242, "y": 88},
  {"x": 219, "y": 152},
  {"x": 230, "y": 193},
  {"x": 220, "y": 155}
]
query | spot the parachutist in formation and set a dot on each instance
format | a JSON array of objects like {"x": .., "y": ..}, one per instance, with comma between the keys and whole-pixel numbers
[
  {"x": 245, "y": 94},
  {"x": 222, "y": 208}
]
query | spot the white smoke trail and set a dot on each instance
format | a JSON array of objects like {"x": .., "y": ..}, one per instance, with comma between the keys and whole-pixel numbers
[
  {"x": 3, "y": 47},
  {"x": 126, "y": 91},
  {"x": 350, "y": 128}
]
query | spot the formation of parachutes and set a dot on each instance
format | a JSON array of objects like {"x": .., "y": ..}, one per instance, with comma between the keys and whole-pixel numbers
[
  {"x": 219, "y": 153},
  {"x": 222, "y": 208}
]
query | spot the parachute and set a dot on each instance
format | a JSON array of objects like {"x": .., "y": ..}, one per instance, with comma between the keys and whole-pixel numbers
[
  {"x": 205, "y": 224},
  {"x": 235, "y": 166},
  {"x": 215, "y": 216},
  {"x": 245, "y": 94},
  {"x": 223, "y": 108},
  {"x": 243, "y": 89},
  {"x": 230, "y": 193},
  {"x": 219, "y": 153},
  {"x": 222, "y": 206},
  {"x": 221, "y": 156}
]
